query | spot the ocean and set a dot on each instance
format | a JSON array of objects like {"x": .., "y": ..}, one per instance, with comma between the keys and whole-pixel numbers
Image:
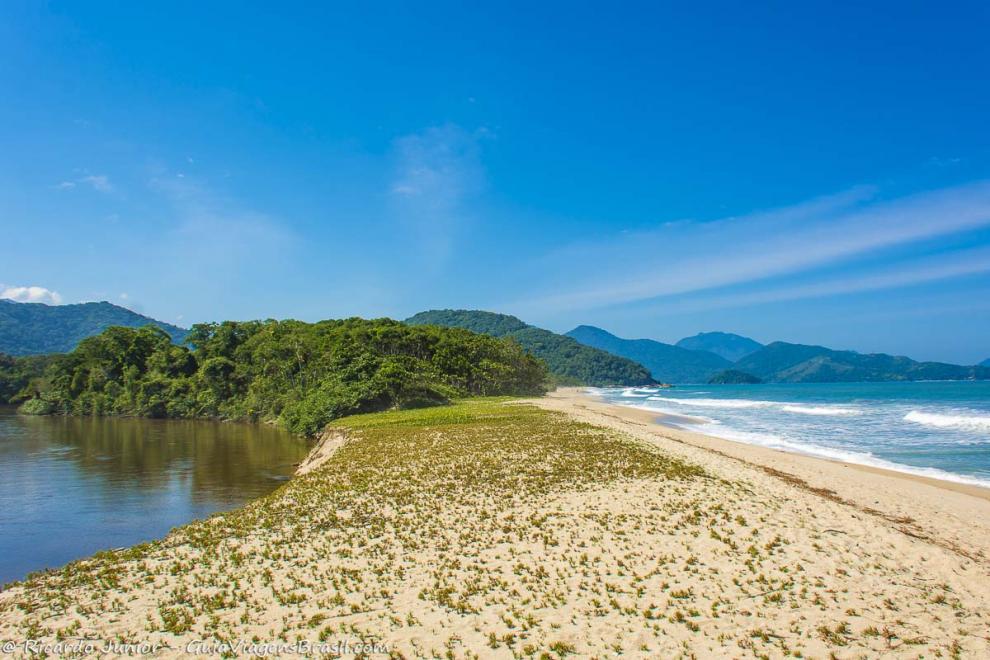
[{"x": 932, "y": 429}]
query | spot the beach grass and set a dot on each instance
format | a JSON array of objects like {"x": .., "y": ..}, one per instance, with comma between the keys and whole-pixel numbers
[{"x": 493, "y": 528}]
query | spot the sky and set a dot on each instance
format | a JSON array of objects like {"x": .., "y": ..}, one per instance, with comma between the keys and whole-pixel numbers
[{"x": 807, "y": 172}]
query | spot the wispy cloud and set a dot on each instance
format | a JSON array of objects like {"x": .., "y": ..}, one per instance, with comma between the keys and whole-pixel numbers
[
  {"x": 213, "y": 240},
  {"x": 436, "y": 173},
  {"x": 959, "y": 263},
  {"x": 686, "y": 257},
  {"x": 33, "y": 294},
  {"x": 98, "y": 182}
]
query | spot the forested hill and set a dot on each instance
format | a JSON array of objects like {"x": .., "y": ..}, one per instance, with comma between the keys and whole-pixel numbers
[
  {"x": 301, "y": 375},
  {"x": 667, "y": 363},
  {"x": 36, "y": 328},
  {"x": 570, "y": 362},
  {"x": 800, "y": 363},
  {"x": 731, "y": 346}
]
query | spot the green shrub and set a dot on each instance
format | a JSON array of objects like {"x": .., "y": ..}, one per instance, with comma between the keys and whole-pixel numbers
[{"x": 36, "y": 407}]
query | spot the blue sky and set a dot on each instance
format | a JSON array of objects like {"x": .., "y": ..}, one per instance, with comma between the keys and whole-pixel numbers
[{"x": 806, "y": 172}]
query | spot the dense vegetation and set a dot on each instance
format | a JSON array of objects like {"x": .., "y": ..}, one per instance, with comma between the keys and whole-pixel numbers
[
  {"x": 301, "y": 375},
  {"x": 570, "y": 362},
  {"x": 733, "y": 377},
  {"x": 725, "y": 344},
  {"x": 667, "y": 363},
  {"x": 20, "y": 376},
  {"x": 798, "y": 363},
  {"x": 36, "y": 329}
]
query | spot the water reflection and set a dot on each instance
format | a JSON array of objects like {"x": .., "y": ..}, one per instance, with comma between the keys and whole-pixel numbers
[{"x": 71, "y": 486}]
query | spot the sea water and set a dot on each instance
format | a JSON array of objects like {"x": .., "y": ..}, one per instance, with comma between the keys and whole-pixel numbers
[{"x": 932, "y": 429}]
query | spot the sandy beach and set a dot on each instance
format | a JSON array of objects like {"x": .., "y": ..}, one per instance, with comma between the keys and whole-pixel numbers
[
  {"x": 954, "y": 514},
  {"x": 546, "y": 528}
]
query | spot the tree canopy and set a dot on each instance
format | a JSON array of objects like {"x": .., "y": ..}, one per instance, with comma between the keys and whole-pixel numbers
[{"x": 301, "y": 375}]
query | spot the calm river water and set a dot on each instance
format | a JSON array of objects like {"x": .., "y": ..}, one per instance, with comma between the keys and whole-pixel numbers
[{"x": 72, "y": 486}]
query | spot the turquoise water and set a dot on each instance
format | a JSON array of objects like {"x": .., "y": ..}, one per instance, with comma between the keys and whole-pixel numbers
[{"x": 934, "y": 429}]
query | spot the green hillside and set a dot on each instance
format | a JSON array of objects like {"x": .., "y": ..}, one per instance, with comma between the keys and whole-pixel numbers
[
  {"x": 570, "y": 362},
  {"x": 800, "y": 363},
  {"x": 36, "y": 328},
  {"x": 725, "y": 344},
  {"x": 667, "y": 363},
  {"x": 733, "y": 377},
  {"x": 301, "y": 375}
]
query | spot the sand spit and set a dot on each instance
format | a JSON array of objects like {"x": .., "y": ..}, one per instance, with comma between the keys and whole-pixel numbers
[{"x": 494, "y": 530}]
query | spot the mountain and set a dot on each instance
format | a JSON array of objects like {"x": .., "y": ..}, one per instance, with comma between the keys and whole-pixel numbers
[
  {"x": 667, "y": 363},
  {"x": 985, "y": 363},
  {"x": 36, "y": 328},
  {"x": 799, "y": 363},
  {"x": 730, "y": 346},
  {"x": 570, "y": 362},
  {"x": 733, "y": 377}
]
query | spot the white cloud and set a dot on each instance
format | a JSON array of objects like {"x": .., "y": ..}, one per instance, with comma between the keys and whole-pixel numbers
[
  {"x": 436, "y": 173},
  {"x": 99, "y": 182},
  {"x": 686, "y": 257},
  {"x": 33, "y": 294}
]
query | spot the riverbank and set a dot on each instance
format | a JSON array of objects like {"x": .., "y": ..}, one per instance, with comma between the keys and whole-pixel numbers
[{"x": 508, "y": 529}]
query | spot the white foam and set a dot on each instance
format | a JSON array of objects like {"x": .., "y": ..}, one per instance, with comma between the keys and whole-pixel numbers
[
  {"x": 846, "y": 456},
  {"x": 824, "y": 411},
  {"x": 941, "y": 421},
  {"x": 687, "y": 420},
  {"x": 717, "y": 403}
]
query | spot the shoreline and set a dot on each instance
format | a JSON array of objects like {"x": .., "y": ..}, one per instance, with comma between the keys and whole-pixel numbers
[
  {"x": 561, "y": 525},
  {"x": 661, "y": 419},
  {"x": 952, "y": 514}
]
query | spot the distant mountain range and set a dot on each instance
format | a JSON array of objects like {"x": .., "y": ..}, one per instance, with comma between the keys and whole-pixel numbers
[
  {"x": 36, "y": 328},
  {"x": 667, "y": 363},
  {"x": 570, "y": 362},
  {"x": 985, "y": 363},
  {"x": 798, "y": 363},
  {"x": 725, "y": 344},
  {"x": 779, "y": 362}
]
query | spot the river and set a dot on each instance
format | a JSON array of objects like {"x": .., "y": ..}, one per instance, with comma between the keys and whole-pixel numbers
[{"x": 71, "y": 486}]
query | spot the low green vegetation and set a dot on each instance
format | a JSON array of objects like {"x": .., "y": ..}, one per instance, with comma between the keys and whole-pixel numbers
[
  {"x": 422, "y": 519},
  {"x": 570, "y": 362},
  {"x": 491, "y": 528},
  {"x": 301, "y": 375}
]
